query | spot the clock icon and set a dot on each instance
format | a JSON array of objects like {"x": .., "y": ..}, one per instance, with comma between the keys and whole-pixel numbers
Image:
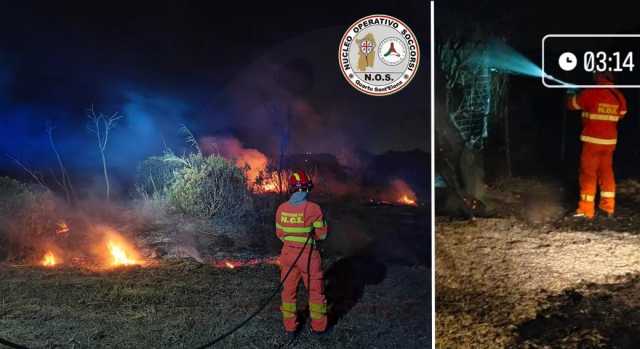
[{"x": 567, "y": 61}]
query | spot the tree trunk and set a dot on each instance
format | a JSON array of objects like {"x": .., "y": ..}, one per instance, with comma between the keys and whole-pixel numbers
[
  {"x": 507, "y": 140},
  {"x": 472, "y": 173},
  {"x": 106, "y": 175}
]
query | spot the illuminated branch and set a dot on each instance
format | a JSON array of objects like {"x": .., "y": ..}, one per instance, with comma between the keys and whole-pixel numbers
[
  {"x": 36, "y": 176},
  {"x": 101, "y": 125},
  {"x": 65, "y": 182}
]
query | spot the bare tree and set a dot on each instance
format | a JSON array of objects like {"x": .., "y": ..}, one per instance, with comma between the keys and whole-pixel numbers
[
  {"x": 474, "y": 96},
  {"x": 101, "y": 125},
  {"x": 65, "y": 181}
]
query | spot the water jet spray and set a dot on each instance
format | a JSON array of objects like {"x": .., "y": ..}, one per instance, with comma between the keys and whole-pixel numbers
[{"x": 500, "y": 57}]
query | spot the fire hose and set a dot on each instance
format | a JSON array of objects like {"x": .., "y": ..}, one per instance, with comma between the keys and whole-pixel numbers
[
  {"x": 268, "y": 300},
  {"x": 11, "y": 344},
  {"x": 245, "y": 321}
]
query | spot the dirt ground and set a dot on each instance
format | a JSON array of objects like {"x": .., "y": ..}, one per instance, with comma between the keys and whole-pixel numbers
[
  {"x": 539, "y": 279},
  {"x": 379, "y": 296}
]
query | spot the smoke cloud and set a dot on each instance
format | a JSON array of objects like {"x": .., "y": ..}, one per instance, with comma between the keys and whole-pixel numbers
[{"x": 232, "y": 149}]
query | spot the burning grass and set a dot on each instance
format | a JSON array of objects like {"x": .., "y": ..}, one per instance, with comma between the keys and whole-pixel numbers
[
  {"x": 119, "y": 281},
  {"x": 102, "y": 248}
]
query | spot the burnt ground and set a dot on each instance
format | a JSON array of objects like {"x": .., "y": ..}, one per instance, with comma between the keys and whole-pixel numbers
[
  {"x": 376, "y": 281},
  {"x": 532, "y": 278}
]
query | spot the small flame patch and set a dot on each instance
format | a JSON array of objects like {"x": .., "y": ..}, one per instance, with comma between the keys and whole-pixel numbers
[
  {"x": 49, "y": 259},
  {"x": 406, "y": 200},
  {"x": 119, "y": 255}
]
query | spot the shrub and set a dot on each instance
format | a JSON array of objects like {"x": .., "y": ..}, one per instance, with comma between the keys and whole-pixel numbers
[
  {"x": 210, "y": 187},
  {"x": 27, "y": 214},
  {"x": 14, "y": 196},
  {"x": 156, "y": 174}
]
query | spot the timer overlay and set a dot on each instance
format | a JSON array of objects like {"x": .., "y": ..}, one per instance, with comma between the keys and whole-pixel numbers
[{"x": 593, "y": 53}]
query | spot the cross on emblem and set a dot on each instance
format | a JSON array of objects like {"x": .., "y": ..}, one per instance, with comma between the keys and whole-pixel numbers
[{"x": 366, "y": 47}]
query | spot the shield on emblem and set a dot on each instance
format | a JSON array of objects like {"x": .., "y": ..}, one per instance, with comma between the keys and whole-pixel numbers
[{"x": 366, "y": 47}]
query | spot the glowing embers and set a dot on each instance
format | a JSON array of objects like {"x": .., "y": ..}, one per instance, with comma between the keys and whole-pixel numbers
[
  {"x": 62, "y": 228},
  {"x": 236, "y": 263},
  {"x": 49, "y": 260}
]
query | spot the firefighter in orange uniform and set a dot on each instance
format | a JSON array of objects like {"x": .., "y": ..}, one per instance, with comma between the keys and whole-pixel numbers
[
  {"x": 298, "y": 221},
  {"x": 602, "y": 108}
]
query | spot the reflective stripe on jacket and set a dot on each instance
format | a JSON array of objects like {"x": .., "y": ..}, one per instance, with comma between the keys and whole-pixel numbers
[
  {"x": 294, "y": 223},
  {"x": 602, "y": 108}
]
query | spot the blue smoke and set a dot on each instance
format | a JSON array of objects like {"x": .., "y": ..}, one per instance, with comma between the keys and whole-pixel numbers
[{"x": 151, "y": 124}]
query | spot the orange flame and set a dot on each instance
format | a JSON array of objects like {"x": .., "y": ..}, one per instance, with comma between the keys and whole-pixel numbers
[
  {"x": 49, "y": 259},
  {"x": 268, "y": 185},
  {"x": 252, "y": 159},
  {"x": 119, "y": 254},
  {"x": 405, "y": 200},
  {"x": 399, "y": 192}
]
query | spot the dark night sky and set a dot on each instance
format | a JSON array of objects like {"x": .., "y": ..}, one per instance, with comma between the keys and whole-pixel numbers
[{"x": 164, "y": 63}]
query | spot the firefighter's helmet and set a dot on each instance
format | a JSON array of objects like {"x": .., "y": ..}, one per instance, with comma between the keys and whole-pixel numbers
[{"x": 299, "y": 181}]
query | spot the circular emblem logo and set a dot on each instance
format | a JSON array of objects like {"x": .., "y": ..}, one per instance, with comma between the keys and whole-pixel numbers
[{"x": 379, "y": 55}]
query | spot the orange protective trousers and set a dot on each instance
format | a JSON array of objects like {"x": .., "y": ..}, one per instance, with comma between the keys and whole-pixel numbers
[
  {"x": 596, "y": 169},
  {"x": 310, "y": 271}
]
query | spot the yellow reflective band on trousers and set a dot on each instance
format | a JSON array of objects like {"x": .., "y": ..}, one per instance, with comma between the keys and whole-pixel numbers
[
  {"x": 587, "y": 197},
  {"x": 607, "y": 194},
  {"x": 294, "y": 229},
  {"x": 288, "y": 310},
  {"x": 317, "y": 311},
  {"x": 601, "y": 117},
  {"x": 318, "y": 224},
  {"x": 595, "y": 140},
  {"x": 300, "y": 239}
]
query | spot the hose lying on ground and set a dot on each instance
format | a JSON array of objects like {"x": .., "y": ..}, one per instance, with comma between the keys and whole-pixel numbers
[
  {"x": 11, "y": 344},
  {"x": 266, "y": 302}
]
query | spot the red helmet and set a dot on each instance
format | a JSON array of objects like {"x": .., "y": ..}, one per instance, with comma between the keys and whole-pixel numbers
[{"x": 299, "y": 181}]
